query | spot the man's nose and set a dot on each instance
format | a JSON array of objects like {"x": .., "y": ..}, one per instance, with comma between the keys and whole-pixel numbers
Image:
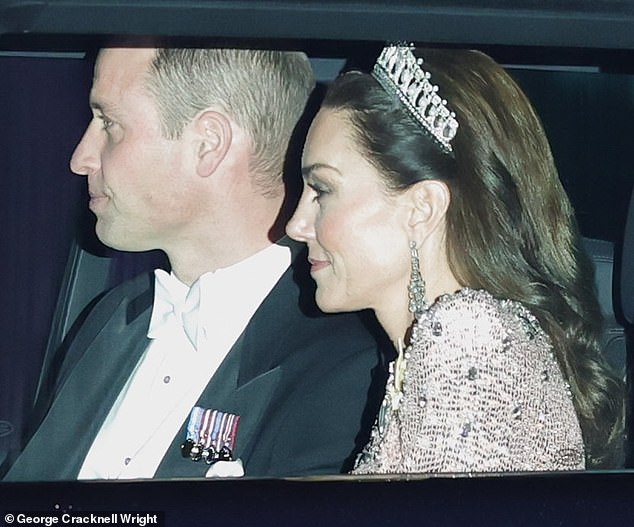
[{"x": 85, "y": 158}]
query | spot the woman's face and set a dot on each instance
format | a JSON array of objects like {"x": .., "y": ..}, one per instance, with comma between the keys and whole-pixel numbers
[{"x": 354, "y": 228}]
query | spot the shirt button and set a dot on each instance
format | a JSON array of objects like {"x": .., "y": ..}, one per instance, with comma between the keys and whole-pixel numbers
[
  {"x": 167, "y": 379},
  {"x": 127, "y": 460}
]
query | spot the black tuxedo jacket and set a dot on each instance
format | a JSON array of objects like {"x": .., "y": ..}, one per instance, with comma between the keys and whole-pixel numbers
[{"x": 305, "y": 385}]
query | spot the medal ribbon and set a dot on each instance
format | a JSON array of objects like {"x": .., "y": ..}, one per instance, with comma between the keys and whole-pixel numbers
[{"x": 211, "y": 435}]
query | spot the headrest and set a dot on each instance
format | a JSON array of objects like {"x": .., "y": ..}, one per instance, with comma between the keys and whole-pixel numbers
[{"x": 627, "y": 266}]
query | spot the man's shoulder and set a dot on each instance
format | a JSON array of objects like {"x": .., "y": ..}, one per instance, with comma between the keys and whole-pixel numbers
[
  {"x": 135, "y": 285},
  {"x": 138, "y": 288},
  {"x": 135, "y": 295},
  {"x": 292, "y": 314},
  {"x": 293, "y": 298}
]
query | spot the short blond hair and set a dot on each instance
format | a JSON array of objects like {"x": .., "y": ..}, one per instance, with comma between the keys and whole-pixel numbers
[{"x": 264, "y": 91}]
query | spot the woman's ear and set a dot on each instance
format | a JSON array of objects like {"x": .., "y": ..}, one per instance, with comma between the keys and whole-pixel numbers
[
  {"x": 429, "y": 201},
  {"x": 213, "y": 139}
]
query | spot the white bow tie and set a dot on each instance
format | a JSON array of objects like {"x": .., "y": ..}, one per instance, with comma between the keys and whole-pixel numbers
[{"x": 175, "y": 304}]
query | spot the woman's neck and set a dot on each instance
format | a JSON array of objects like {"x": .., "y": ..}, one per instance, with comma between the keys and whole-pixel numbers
[{"x": 397, "y": 320}]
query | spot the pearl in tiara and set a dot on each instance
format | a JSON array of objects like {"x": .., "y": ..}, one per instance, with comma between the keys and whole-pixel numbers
[{"x": 400, "y": 73}]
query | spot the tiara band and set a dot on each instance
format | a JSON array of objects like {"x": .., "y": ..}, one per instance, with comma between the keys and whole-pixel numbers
[{"x": 400, "y": 73}]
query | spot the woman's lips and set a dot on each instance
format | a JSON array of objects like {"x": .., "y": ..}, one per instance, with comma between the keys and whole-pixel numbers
[{"x": 317, "y": 265}]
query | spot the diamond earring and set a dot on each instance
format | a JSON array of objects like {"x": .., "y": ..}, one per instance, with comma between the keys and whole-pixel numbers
[{"x": 416, "y": 287}]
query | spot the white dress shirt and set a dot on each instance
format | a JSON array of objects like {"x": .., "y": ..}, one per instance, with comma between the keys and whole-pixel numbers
[{"x": 191, "y": 332}]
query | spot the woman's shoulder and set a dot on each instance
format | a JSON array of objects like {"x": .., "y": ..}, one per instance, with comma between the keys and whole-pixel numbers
[
  {"x": 479, "y": 304},
  {"x": 485, "y": 369},
  {"x": 477, "y": 300},
  {"x": 472, "y": 331},
  {"x": 481, "y": 315}
]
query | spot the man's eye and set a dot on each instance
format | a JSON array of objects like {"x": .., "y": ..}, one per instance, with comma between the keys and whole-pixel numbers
[{"x": 105, "y": 122}]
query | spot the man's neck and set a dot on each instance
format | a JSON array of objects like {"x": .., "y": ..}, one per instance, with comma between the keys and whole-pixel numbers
[
  {"x": 189, "y": 268},
  {"x": 231, "y": 234}
]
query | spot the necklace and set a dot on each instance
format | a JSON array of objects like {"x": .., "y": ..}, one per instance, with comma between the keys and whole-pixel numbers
[{"x": 394, "y": 388}]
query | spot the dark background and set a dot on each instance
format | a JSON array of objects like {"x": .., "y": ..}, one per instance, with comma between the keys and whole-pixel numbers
[{"x": 43, "y": 111}]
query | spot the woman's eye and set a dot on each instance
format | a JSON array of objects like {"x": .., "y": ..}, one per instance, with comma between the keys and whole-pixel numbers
[{"x": 319, "y": 191}]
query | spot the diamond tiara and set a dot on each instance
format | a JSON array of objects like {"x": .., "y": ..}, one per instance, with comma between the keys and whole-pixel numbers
[{"x": 399, "y": 72}]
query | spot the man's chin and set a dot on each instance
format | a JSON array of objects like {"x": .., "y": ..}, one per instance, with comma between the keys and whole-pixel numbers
[{"x": 110, "y": 237}]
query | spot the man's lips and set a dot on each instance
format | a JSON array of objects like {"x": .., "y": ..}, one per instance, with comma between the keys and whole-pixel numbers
[
  {"x": 96, "y": 200},
  {"x": 317, "y": 265}
]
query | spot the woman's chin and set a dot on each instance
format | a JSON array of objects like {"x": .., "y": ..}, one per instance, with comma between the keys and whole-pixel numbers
[{"x": 328, "y": 304}]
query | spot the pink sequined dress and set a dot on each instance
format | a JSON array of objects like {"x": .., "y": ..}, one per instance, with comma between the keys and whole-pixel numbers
[{"x": 479, "y": 390}]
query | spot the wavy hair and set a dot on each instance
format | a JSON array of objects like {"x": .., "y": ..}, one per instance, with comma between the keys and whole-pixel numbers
[{"x": 511, "y": 229}]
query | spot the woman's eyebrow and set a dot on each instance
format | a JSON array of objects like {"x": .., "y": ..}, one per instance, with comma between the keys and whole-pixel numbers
[{"x": 309, "y": 169}]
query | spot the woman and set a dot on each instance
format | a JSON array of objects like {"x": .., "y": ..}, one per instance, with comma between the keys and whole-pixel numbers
[{"x": 431, "y": 197}]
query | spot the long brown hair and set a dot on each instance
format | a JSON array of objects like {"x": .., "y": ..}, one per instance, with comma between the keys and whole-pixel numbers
[{"x": 511, "y": 229}]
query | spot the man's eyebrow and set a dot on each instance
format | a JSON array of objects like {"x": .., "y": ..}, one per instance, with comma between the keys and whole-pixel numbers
[
  {"x": 309, "y": 169},
  {"x": 96, "y": 106},
  {"x": 102, "y": 107}
]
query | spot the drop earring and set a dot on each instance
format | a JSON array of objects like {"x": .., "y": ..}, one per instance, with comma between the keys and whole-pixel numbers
[
  {"x": 417, "y": 305},
  {"x": 416, "y": 287}
]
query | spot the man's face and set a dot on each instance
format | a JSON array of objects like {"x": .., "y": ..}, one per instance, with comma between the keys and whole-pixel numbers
[{"x": 137, "y": 179}]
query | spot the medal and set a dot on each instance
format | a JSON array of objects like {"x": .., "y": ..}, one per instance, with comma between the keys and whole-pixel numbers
[{"x": 211, "y": 435}]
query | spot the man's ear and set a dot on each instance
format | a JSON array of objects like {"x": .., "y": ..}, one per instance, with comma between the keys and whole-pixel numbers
[
  {"x": 429, "y": 201},
  {"x": 214, "y": 135}
]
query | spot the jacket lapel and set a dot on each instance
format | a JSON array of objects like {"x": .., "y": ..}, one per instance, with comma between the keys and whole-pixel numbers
[
  {"x": 95, "y": 369},
  {"x": 246, "y": 380},
  {"x": 249, "y": 401}
]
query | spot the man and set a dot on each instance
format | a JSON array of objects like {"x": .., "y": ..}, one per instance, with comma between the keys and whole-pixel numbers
[{"x": 223, "y": 366}]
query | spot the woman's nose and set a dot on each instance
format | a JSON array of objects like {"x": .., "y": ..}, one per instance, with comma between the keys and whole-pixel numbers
[{"x": 301, "y": 225}]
